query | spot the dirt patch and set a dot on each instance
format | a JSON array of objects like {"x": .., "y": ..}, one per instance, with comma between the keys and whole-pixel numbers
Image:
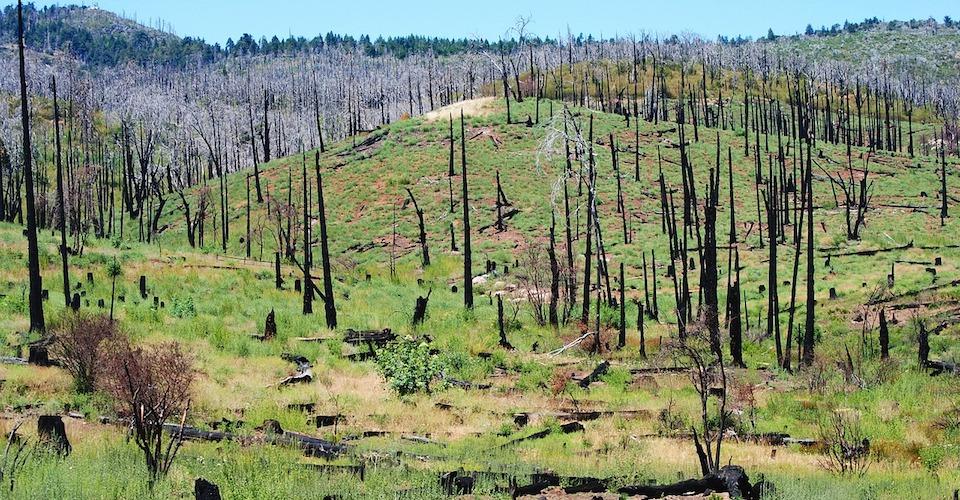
[{"x": 472, "y": 107}]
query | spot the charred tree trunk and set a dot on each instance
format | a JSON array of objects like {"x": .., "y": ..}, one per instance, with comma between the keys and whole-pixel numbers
[
  {"x": 587, "y": 270},
  {"x": 424, "y": 250},
  {"x": 467, "y": 256},
  {"x": 884, "y": 336},
  {"x": 307, "y": 250},
  {"x": 33, "y": 259},
  {"x": 60, "y": 198},
  {"x": 329, "y": 307},
  {"x": 552, "y": 315}
]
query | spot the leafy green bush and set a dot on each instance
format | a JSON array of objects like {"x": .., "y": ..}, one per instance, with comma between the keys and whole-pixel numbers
[
  {"x": 183, "y": 307},
  {"x": 408, "y": 366},
  {"x": 932, "y": 457}
]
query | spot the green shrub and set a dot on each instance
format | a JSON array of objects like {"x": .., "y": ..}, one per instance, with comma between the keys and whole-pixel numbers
[
  {"x": 408, "y": 366},
  {"x": 932, "y": 457},
  {"x": 183, "y": 307}
]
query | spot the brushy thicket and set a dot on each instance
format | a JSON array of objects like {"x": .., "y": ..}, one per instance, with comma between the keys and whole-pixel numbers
[{"x": 408, "y": 366}]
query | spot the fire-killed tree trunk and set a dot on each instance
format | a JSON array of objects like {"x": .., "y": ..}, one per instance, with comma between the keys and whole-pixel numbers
[
  {"x": 53, "y": 435},
  {"x": 501, "y": 327},
  {"x": 622, "y": 339},
  {"x": 33, "y": 257},
  {"x": 552, "y": 314},
  {"x": 467, "y": 257},
  {"x": 420, "y": 309},
  {"x": 807, "y": 354},
  {"x": 884, "y": 336},
  {"x": 60, "y": 198},
  {"x": 708, "y": 267},
  {"x": 329, "y": 307},
  {"x": 424, "y": 250},
  {"x": 943, "y": 181},
  {"x": 587, "y": 270},
  {"x": 923, "y": 347},
  {"x": 307, "y": 250}
]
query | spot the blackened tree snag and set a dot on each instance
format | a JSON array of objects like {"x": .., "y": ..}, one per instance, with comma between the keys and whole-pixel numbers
[
  {"x": 420, "y": 309},
  {"x": 585, "y": 313},
  {"x": 884, "y": 336},
  {"x": 552, "y": 314},
  {"x": 708, "y": 267},
  {"x": 424, "y": 250},
  {"x": 923, "y": 343},
  {"x": 60, "y": 198},
  {"x": 622, "y": 339},
  {"x": 467, "y": 257},
  {"x": 329, "y": 307},
  {"x": 501, "y": 327},
  {"x": 807, "y": 355},
  {"x": 307, "y": 250},
  {"x": 33, "y": 258},
  {"x": 943, "y": 181}
]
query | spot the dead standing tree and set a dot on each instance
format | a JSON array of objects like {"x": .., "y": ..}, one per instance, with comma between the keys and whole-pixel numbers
[
  {"x": 33, "y": 259},
  {"x": 856, "y": 194},
  {"x": 709, "y": 379},
  {"x": 329, "y": 307},
  {"x": 150, "y": 386},
  {"x": 424, "y": 249},
  {"x": 467, "y": 256}
]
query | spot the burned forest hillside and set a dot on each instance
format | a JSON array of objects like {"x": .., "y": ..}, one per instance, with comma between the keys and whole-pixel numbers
[{"x": 626, "y": 268}]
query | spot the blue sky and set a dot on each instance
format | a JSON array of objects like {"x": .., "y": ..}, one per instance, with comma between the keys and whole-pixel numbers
[{"x": 216, "y": 20}]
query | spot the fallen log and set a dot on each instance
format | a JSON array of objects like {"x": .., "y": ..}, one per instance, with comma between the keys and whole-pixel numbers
[
  {"x": 940, "y": 367},
  {"x": 359, "y": 470},
  {"x": 566, "y": 428},
  {"x": 304, "y": 373},
  {"x": 912, "y": 293},
  {"x": 311, "y": 446},
  {"x": 729, "y": 479},
  {"x": 870, "y": 252},
  {"x": 659, "y": 369},
  {"x": 376, "y": 337},
  {"x": 597, "y": 372},
  {"x": 463, "y": 384}
]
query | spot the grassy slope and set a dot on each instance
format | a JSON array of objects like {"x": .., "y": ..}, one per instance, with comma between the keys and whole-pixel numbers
[{"x": 901, "y": 407}]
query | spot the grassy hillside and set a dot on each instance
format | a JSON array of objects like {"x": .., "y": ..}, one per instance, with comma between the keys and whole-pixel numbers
[
  {"x": 213, "y": 303},
  {"x": 928, "y": 50}
]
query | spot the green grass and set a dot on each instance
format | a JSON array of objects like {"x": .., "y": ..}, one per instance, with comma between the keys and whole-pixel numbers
[{"x": 213, "y": 304}]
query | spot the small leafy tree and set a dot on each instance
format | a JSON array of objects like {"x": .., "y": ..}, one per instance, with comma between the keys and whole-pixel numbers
[
  {"x": 77, "y": 344},
  {"x": 114, "y": 271},
  {"x": 408, "y": 366},
  {"x": 149, "y": 385}
]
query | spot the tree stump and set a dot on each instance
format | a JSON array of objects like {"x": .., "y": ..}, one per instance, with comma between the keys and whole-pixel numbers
[
  {"x": 270, "y": 328},
  {"x": 52, "y": 434},
  {"x": 38, "y": 355},
  {"x": 143, "y": 287},
  {"x": 420, "y": 309},
  {"x": 75, "y": 302},
  {"x": 205, "y": 490}
]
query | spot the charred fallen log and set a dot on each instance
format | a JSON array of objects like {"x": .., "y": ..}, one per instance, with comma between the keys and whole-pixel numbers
[
  {"x": 376, "y": 337},
  {"x": 311, "y": 446},
  {"x": 730, "y": 479}
]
